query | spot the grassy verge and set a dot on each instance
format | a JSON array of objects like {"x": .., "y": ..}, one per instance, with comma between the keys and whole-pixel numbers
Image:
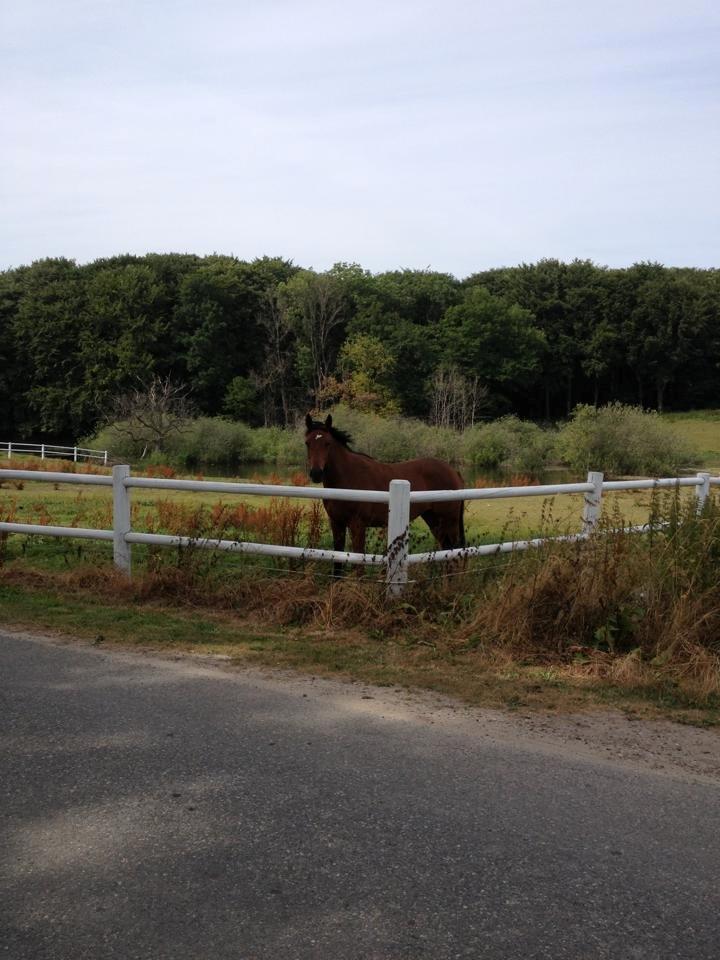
[
  {"x": 622, "y": 620},
  {"x": 499, "y": 681}
]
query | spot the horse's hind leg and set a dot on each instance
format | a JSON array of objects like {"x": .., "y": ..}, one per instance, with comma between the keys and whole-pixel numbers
[
  {"x": 447, "y": 527},
  {"x": 339, "y": 532},
  {"x": 437, "y": 527}
]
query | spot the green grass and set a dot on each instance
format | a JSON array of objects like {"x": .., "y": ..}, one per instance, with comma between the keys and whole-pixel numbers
[
  {"x": 701, "y": 428},
  {"x": 78, "y": 505}
]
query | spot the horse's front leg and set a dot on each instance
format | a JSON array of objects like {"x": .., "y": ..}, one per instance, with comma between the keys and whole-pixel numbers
[
  {"x": 339, "y": 532},
  {"x": 358, "y": 532}
]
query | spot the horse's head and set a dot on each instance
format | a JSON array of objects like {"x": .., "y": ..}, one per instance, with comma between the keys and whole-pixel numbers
[{"x": 318, "y": 441}]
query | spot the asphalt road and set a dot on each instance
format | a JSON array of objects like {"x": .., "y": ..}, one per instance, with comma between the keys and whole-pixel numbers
[{"x": 164, "y": 809}]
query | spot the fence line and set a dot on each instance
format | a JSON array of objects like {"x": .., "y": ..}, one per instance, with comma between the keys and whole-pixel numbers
[
  {"x": 398, "y": 498},
  {"x": 47, "y": 450}
]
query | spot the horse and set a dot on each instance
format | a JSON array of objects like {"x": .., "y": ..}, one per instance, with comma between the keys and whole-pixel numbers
[{"x": 331, "y": 460}]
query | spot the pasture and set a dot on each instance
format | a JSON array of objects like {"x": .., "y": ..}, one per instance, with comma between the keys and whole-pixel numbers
[
  {"x": 288, "y": 522},
  {"x": 701, "y": 429}
]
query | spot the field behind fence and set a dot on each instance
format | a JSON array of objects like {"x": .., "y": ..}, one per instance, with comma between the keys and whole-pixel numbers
[{"x": 395, "y": 557}]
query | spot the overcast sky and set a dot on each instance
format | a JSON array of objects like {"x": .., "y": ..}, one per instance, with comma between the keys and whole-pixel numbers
[{"x": 456, "y": 135}]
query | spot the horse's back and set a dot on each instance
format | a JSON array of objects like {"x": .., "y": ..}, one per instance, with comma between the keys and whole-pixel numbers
[{"x": 427, "y": 473}]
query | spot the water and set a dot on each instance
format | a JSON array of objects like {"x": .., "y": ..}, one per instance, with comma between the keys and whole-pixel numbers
[{"x": 268, "y": 473}]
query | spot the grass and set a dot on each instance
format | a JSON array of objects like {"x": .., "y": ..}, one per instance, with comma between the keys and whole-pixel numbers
[
  {"x": 499, "y": 681},
  {"x": 701, "y": 428},
  {"x": 625, "y": 620},
  {"x": 290, "y": 522},
  {"x": 622, "y": 620}
]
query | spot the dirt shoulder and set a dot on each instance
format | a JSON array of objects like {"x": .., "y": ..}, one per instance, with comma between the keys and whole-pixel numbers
[
  {"x": 615, "y": 738},
  {"x": 689, "y": 753}
]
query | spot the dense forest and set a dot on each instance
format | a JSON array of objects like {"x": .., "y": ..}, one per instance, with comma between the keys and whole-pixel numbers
[{"x": 263, "y": 341}]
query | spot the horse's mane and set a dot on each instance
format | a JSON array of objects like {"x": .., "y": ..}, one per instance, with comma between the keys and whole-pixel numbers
[{"x": 342, "y": 436}]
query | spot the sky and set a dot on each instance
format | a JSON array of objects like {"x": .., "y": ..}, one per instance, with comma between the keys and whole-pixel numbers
[{"x": 451, "y": 135}]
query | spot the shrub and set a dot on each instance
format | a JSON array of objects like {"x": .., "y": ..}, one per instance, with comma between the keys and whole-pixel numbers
[
  {"x": 509, "y": 443},
  {"x": 210, "y": 441},
  {"x": 397, "y": 438},
  {"x": 619, "y": 439}
]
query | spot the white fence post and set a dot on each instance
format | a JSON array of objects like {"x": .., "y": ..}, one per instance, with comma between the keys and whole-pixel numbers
[
  {"x": 121, "y": 518},
  {"x": 105, "y": 459},
  {"x": 398, "y": 536},
  {"x": 75, "y": 454},
  {"x": 42, "y": 451},
  {"x": 9, "y": 451},
  {"x": 702, "y": 491},
  {"x": 593, "y": 502}
]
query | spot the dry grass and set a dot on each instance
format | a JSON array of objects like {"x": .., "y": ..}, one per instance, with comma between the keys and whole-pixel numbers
[{"x": 620, "y": 612}]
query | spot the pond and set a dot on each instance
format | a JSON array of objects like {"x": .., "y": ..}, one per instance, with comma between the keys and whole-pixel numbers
[{"x": 268, "y": 473}]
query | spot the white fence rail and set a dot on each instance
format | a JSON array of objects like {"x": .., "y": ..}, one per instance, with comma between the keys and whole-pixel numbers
[
  {"x": 398, "y": 497},
  {"x": 47, "y": 450}
]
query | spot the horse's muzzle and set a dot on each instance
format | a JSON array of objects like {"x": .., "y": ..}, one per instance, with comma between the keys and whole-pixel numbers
[{"x": 316, "y": 474}]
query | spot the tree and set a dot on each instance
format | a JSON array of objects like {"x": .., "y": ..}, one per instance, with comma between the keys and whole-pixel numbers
[
  {"x": 47, "y": 329},
  {"x": 241, "y": 399},
  {"x": 403, "y": 309},
  {"x": 319, "y": 305},
  {"x": 487, "y": 337},
  {"x": 366, "y": 367},
  {"x": 275, "y": 375},
  {"x": 13, "y": 366},
  {"x": 219, "y": 305},
  {"x": 124, "y": 329},
  {"x": 666, "y": 331},
  {"x": 455, "y": 398},
  {"x": 150, "y": 413}
]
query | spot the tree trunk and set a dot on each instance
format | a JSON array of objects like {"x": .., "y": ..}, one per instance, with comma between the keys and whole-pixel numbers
[{"x": 660, "y": 388}]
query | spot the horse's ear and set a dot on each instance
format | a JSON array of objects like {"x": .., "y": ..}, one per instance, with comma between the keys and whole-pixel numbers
[
  {"x": 308, "y": 421},
  {"x": 328, "y": 421}
]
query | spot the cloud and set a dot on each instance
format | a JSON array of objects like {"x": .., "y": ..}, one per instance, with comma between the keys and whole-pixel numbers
[{"x": 400, "y": 134}]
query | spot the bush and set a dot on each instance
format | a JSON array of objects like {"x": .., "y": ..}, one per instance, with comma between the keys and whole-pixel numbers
[
  {"x": 616, "y": 439},
  {"x": 396, "y": 438},
  {"x": 204, "y": 441},
  {"x": 508, "y": 443},
  {"x": 621, "y": 440},
  {"x": 212, "y": 441}
]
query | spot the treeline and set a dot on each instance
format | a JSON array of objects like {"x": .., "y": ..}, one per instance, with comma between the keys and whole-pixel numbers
[{"x": 262, "y": 341}]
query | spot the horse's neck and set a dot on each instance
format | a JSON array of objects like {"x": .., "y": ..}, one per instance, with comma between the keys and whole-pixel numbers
[{"x": 339, "y": 471}]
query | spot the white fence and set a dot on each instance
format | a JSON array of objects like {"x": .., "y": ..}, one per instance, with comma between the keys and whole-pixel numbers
[
  {"x": 47, "y": 450},
  {"x": 398, "y": 498}
]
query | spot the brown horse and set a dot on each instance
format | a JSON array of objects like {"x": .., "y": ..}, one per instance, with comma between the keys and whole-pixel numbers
[{"x": 331, "y": 461}]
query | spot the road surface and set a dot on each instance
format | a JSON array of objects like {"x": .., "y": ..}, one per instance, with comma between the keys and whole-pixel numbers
[{"x": 157, "y": 808}]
